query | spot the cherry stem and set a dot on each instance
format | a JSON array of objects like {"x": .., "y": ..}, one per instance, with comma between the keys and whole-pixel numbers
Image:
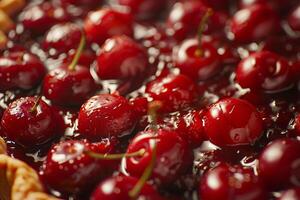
[
  {"x": 152, "y": 112},
  {"x": 36, "y": 104},
  {"x": 78, "y": 52},
  {"x": 201, "y": 28},
  {"x": 115, "y": 156}
]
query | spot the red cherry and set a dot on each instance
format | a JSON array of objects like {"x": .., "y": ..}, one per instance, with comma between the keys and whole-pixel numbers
[
  {"x": 231, "y": 122},
  {"x": 253, "y": 23},
  {"x": 106, "y": 115},
  {"x": 38, "y": 18},
  {"x": 231, "y": 183},
  {"x": 264, "y": 70},
  {"x": 118, "y": 187},
  {"x": 69, "y": 87},
  {"x": 291, "y": 194},
  {"x": 68, "y": 169},
  {"x": 197, "y": 67},
  {"x": 280, "y": 157},
  {"x": 62, "y": 38},
  {"x": 294, "y": 19},
  {"x": 297, "y": 124},
  {"x": 88, "y": 3},
  {"x": 20, "y": 70},
  {"x": 120, "y": 58},
  {"x": 105, "y": 23},
  {"x": 29, "y": 126},
  {"x": 176, "y": 92},
  {"x": 173, "y": 156}
]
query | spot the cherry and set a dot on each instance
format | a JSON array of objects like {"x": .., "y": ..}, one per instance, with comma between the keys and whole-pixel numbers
[
  {"x": 294, "y": 19},
  {"x": 176, "y": 92},
  {"x": 280, "y": 157},
  {"x": 106, "y": 115},
  {"x": 38, "y": 18},
  {"x": 20, "y": 70},
  {"x": 29, "y": 122},
  {"x": 119, "y": 187},
  {"x": 105, "y": 23},
  {"x": 68, "y": 169},
  {"x": 291, "y": 194},
  {"x": 297, "y": 124},
  {"x": 264, "y": 71},
  {"x": 62, "y": 38},
  {"x": 231, "y": 122},
  {"x": 172, "y": 155},
  {"x": 89, "y": 3},
  {"x": 198, "y": 67},
  {"x": 231, "y": 183},
  {"x": 253, "y": 23},
  {"x": 121, "y": 58},
  {"x": 143, "y": 9}
]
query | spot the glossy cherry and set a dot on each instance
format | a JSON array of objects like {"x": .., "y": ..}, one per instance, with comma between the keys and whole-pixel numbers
[
  {"x": 291, "y": 194},
  {"x": 172, "y": 159},
  {"x": 121, "y": 58},
  {"x": 231, "y": 183},
  {"x": 197, "y": 67},
  {"x": 106, "y": 115},
  {"x": 29, "y": 126},
  {"x": 265, "y": 71},
  {"x": 231, "y": 122},
  {"x": 176, "y": 92},
  {"x": 280, "y": 157},
  {"x": 105, "y": 23},
  {"x": 294, "y": 19},
  {"x": 69, "y": 170},
  {"x": 255, "y": 22},
  {"x": 20, "y": 70}
]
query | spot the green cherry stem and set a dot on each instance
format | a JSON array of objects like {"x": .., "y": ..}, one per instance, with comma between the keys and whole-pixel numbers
[
  {"x": 199, "y": 52},
  {"x": 78, "y": 52},
  {"x": 115, "y": 156},
  {"x": 36, "y": 104}
]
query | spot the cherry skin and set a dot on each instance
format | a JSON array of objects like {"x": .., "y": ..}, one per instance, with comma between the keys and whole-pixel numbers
[
  {"x": 69, "y": 87},
  {"x": 294, "y": 19},
  {"x": 173, "y": 156},
  {"x": 62, "y": 38},
  {"x": 176, "y": 92},
  {"x": 297, "y": 124},
  {"x": 89, "y": 3},
  {"x": 265, "y": 71},
  {"x": 69, "y": 170},
  {"x": 280, "y": 157},
  {"x": 40, "y": 17},
  {"x": 120, "y": 188},
  {"x": 231, "y": 183},
  {"x": 29, "y": 127},
  {"x": 106, "y": 115},
  {"x": 291, "y": 194},
  {"x": 197, "y": 67},
  {"x": 232, "y": 122},
  {"x": 121, "y": 58},
  {"x": 20, "y": 70},
  {"x": 253, "y": 23},
  {"x": 105, "y": 23}
]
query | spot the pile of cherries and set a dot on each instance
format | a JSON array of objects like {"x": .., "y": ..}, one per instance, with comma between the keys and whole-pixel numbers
[{"x": 156, "y": 99}]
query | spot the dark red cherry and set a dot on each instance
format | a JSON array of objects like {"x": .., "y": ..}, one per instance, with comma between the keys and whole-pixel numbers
[
  {"x": 197, "y": 67},
  {"x": 68, "y": 169},
  {"x": 279, "y": 164},
  {"x": 231, "y": 122},
  {"x": 265, "y": 71},
  {"x": 173, "y": 156},
  {"x": 294, "y": 19},
  {"x": 176, "y": 92},
  {"x": 143, "y": 9},
  {"x": 291, "y": 194},
  {"x": 38, "y": 18},
  {"x": 231, "y": 183},
  {"x": 253, "y": 23},
  {"x": 118, "y": 187},
  {"x": 105, "y": 23},
  {"x": 106, "y": 115},
  {"x": 69, "y": 87},
  {"x": 121, "y": 58},
  {"x": 62, "y": 38},
  {"x": 29, "y": 122},
  {"x": 20, "y": 70},
  {"x": 297, "y": 124}
]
